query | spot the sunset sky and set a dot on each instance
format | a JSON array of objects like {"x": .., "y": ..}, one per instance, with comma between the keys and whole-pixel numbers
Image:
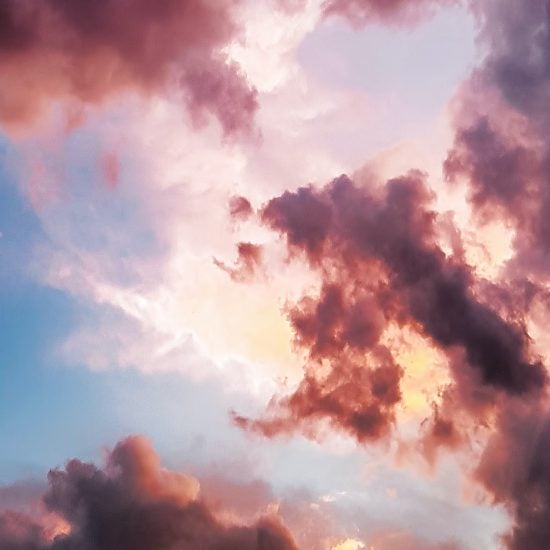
[{"x": 274, "y": 274}]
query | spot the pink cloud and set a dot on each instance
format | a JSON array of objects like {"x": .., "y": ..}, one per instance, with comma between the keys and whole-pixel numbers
[
  {"x": 57, "y": 49},
  {"x": 132, "y": 503}
]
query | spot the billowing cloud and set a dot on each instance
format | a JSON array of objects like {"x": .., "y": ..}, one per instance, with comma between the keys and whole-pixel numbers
[
  {"x": 378, "y": 256},
  {"x": 515, "y": 469},
  {"x": 58, "y": 49},
  {"x": 376, "y": 250},
  {"x": 381, "y": 263},
  {"x": 352, "y": 397},
  {"x": 501, "y": 147},
  {"x": 502, "y": 153},
  {"x": 133, "y": 503}
]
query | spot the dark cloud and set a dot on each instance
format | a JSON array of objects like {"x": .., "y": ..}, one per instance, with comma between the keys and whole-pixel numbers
[
  {"x": 439, "y": 432},
  {"x": 133, "y": 504},
  {"x": 502, "y": 152},
  {"x": 60, "y": 49},
  {"x": 381, "y": 244},
  {"x": 507, "y": 177},
  {"x": 378, "y": 256},
  {"x": 355, "y": 397},
  {"x": 515, "y": 468},
  {"x": 518, "y": 63},
  {"x": 500, "y": 172},
  {"x": 501, "y": 146},
  {"x": 303, "y": 216},
  {"x": 332, "y": 321},
  {"x": 396, "y": 229}
]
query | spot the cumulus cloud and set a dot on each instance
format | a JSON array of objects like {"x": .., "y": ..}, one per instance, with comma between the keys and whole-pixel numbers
[
  {"x": 501, "y": 153},
  {"x": 501, "y": 146},
  {"x": 380, "y": 262},
  {"x": 375, "y": 248},
  {"x": 515, "y": 469},
  {"x": 133, "y": 503}
]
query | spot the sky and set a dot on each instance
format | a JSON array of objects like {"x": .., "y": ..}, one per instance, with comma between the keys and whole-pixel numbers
[{"x": 274, "y": 275}]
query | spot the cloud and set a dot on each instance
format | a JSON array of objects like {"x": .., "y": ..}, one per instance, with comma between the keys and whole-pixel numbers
[
  {"x": 403, "y": 540},
  {"x": 19, "y": 532},
  {"x": 249, "y": 259},
  {"x": 352, "y": 397},
  {"x": 515, "y": 468},
  {"x": 133, "y": 503},
  {"x": 375, "y": 248},
  {"x": 379, "y": 246},
  {"x": 501, "y": 146},
  {"x": 501, "y": 152},
  {"x": 63, "y": 50},
  {"x": 499, "y": 171},
  {"x": 402, "y": 11},
  {"x": 377, "y": 253},
  {"x": 240, "y": 207}
]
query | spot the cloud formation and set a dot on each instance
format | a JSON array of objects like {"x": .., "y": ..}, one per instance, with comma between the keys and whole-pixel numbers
[
  {"x": 375, "y": 247},
  {"x": 377, "y": 253},
  {"x": 501, "y": 153},
  {"x": 501, "y": 146},
  {"x": 133, "y": 503},
  {"x": 59, "y": 49}
]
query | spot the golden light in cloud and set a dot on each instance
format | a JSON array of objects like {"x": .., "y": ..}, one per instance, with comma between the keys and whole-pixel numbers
[
  {"x": 489, "y": 249},
  {"x": 254, "y": 327},
  {"x": 349, "y": 544},
  {"x": 55, "y": 526},
  {"x": 425, "y": 370}
]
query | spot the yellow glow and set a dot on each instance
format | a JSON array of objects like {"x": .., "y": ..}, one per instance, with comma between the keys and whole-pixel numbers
[
  {"x": 424, "y": 366},
  {"x": 349, "y": 544},
  {"x": 252, "y": 326},
  {"x": 56, "y": 526}
]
